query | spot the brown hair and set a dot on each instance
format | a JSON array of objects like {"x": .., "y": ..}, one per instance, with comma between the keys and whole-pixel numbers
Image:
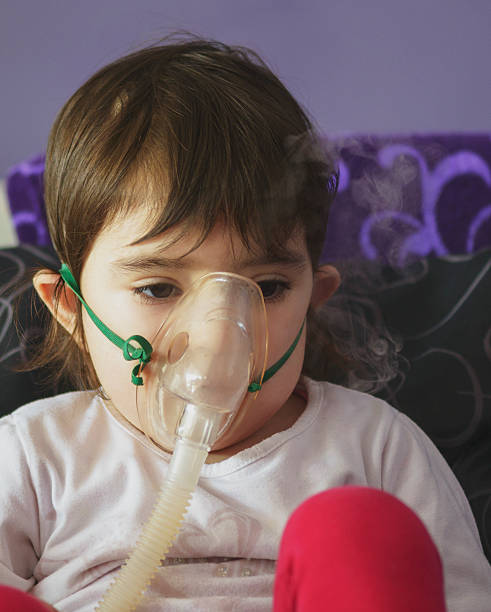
[{"x": 198, "y": 130}]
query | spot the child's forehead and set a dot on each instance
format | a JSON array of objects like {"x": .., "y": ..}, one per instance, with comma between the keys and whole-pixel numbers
[{"x": 124, "y": 242}]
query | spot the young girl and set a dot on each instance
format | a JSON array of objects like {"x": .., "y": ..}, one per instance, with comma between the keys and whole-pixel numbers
[{"x": 178, "y": 161}]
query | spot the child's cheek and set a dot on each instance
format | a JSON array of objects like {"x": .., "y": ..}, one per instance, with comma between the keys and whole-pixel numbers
[
  {"x": 113, "y": 371},
  {"x": 276, "y": 392}
]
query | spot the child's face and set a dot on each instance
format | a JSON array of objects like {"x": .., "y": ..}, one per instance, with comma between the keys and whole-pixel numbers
[{"x": 132, "y": 289}]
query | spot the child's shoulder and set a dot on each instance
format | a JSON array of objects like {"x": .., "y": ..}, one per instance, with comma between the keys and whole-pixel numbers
[
  {"x": 57, "y": 411},
  {"x": 50, "y": 429},
  {"x": 348, "y": 412},
  {"x": 336, "y": 399},
  {"x": 357, "y": 418}
]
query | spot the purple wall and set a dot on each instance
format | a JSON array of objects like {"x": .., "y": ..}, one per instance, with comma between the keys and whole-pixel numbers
[{"x": 377, "y": 66}]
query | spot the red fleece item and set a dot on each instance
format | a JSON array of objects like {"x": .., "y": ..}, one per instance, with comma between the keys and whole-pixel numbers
[
  {"x": 13, "y": 600},
  {"x": 355, "y": 549}
]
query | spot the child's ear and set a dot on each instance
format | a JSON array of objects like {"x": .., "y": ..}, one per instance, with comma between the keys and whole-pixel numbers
[
  {"x": 45, "y": 282},
  {"x": 326, "y": 282}
]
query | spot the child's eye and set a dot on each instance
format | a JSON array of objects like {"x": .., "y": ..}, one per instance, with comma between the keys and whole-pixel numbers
[
  {"x": 273, "y": 289},
  {"x": 157, "y": 291}
]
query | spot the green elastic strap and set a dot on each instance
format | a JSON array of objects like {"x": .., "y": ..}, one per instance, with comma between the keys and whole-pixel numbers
[
  {"x": 142, "y": 353},
  {"x": 256, "y": 386}
]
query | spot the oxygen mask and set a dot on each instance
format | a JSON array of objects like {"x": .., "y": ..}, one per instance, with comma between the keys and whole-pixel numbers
[{"x": 205, "y": 356}]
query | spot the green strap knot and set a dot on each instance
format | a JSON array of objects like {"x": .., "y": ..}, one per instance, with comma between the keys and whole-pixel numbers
[
  {"x": 142, "y": 353},
  {"x": 253, "y": 387}
]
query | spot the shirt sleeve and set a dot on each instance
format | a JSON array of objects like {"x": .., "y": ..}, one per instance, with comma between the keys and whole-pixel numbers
[
  {"x": 414, "y": 471},
  {"x": 19, "y": 520}
]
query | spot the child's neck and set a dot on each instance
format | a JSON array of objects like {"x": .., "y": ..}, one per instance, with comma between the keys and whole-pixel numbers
[{"x": 280, "y": 421}]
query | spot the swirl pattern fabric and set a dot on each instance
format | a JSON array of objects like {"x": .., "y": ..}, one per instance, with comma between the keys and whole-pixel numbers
[
  {"x": 438, "y": 310},
  {"x": 407, "y": 197}
]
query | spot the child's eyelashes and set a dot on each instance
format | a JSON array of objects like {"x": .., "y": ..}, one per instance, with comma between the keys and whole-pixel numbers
[
  {"x": 157, "y": 292},
  {"x": 272, "y": 290}
]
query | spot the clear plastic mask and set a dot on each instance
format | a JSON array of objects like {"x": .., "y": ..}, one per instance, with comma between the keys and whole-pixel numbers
[{"x": 205, "y": 355}]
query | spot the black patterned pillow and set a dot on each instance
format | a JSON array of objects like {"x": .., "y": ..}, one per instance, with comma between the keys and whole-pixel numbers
[
  {"x": 440, "y": 311},
  {"x": 445, "y": 321}
]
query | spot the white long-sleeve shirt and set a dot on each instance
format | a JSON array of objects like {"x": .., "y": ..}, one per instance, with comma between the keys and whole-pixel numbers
[{"x": 78, "y": 484}]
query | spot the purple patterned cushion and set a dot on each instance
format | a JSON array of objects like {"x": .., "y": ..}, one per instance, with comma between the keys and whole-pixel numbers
[
  {"x": 406, "y": 197},
  {"x": 400, "y": 197}
]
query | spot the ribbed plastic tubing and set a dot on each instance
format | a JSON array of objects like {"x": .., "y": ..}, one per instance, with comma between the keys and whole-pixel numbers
[{"x": 155, "y": 540}]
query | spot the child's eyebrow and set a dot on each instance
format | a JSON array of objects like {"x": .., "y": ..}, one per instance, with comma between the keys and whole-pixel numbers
[
  {"x": 291, "y": 259},
  {"x": 139, "y": 263}
]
